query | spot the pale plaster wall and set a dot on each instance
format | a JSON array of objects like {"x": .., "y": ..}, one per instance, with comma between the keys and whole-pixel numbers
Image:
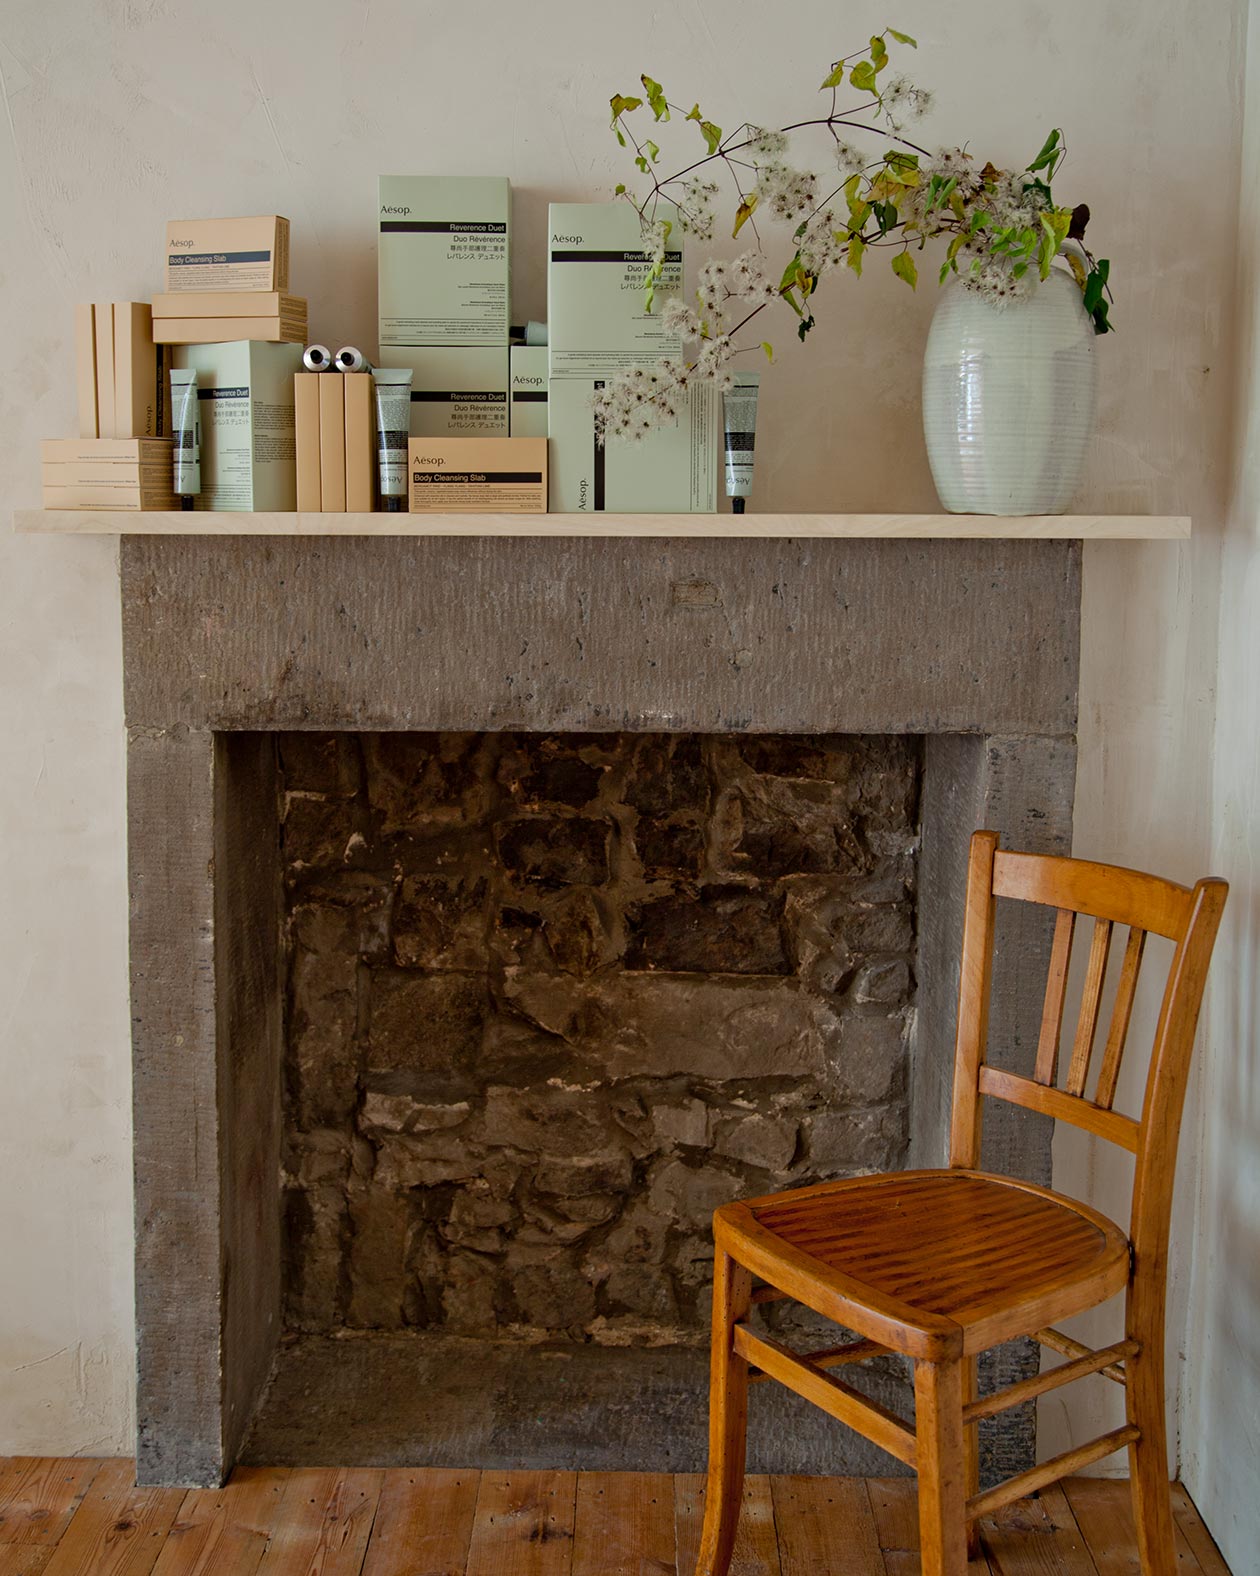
[
  {"x": 119, "y": 116},
  {"x": 1221, "y": 1421}
]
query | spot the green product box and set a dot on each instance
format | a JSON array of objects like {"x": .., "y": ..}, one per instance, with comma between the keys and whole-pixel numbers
[
  {"x": 527, "y": 390},
  {"x": 671, "y": 471},
  {"x": 442, "y": 260},
  {"x": 245, "y": 397},
  {"x": 456, "y": 392}
]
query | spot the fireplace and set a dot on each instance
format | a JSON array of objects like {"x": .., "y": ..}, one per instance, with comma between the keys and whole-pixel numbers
[{"x": 499, "y": 906}]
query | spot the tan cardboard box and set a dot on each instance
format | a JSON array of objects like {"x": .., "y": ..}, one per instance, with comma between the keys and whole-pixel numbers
[
  {"x": 229, "y": 303},
  {"x": 332, "y": 442},
  {"x": 222, "y": 330},
  {"x": 306, "y": 423},
  {"x": 105, "y": 473},
  {"x": 360, "y": 442},
  {"x": 478, "y": 475},
  {"x": 227, "y": 254},
  {"x": 85, "y": 362},
  {"x": 103, "y": 332},
  {"x": 142, "y": 391}
]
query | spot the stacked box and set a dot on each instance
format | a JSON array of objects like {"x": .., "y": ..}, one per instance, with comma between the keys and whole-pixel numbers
[
  {"x": 215, "y": 316},
  {"x": 457, "y": 391},
  {"x": 107, "y": 473},
  {"x": 527, "y": 391},
  {"x": 245, "y": 395},
  {"x": 598, "y": 326},
  {"x": 123, "y": 389},
  {"x": 228, "y": 279},
  {"x": 227, "y": 254},
  {"x": 443, "y": 262},
  {"x": 336, "y": 442}
]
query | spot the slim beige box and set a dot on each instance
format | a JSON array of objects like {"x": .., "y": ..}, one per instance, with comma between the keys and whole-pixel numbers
[
  {"x": 478, "y": 475},
  {"x": 103, "y": 331},
  {"x": 360, "y": 441},
  {"x": 142, "y": 395},
  {"x": 225, "y": 330},
  {"x": 227, "y": 254},
  {"x": 332, "y": 442},
  {"x": 306, "y": 425},
  {"x": 229, "y": 303},
  {"x": 104, "y": 473},
  {"x": 85, "y": 364}
]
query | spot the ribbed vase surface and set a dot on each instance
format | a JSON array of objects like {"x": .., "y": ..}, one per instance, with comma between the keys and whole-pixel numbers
[{"x": 1009, "y": 398}]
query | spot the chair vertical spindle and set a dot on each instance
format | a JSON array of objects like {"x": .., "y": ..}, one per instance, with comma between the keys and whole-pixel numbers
[
  {"x": 1113, "y": 1053},
  {"x": 1091, "y": 1006},
  {"x": 1056, "y": 994}
]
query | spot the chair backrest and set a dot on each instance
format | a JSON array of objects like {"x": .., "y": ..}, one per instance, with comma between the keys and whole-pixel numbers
[{"x": 1114, "y": 898}]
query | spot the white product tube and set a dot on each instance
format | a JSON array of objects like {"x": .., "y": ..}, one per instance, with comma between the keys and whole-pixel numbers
[
  {"x": 317, "y": 358},
  {"x": 739, "y": 419},
  {"x": 351, "y": 359},
  {"x": 393, "y": 428},
  {"x": 186, "y": 432}
]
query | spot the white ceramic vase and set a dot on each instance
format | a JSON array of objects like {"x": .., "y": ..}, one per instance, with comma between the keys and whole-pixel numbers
[{"x": 1009, "y": 396}]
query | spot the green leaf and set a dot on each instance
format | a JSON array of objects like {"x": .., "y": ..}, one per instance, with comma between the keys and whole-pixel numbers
[
  {"x": 619, "y": 190},
  {"x": 902, "y": 38},
  {"x": 834, "y": 78},
  {"x": 879, "y": 53},
  {"x": 947, "y": 267},
  {"x": 642, "y": 164},
  {"x": 712, "y": 133},
  {"x": 806, "y": 323},
  {"x": 744, "y": 212},
  {"x": 857, "y": 249},
  {"x": 622, "y": 105},
  {"x": 768, "y": 348},
  {"x": 903, "y": 267},
  {"x": 1049, "y": 155},
  {"x": 791, "y": 273},
  {"x": 862, "y": 77},
  {"x": 655, "y": 97},
  {"x": 654, "y": 152},
  {"x": 1096, "y": 284}
]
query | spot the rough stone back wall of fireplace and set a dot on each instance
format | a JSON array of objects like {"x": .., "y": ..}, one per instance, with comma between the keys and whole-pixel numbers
[{"x": 552, "y": 998}]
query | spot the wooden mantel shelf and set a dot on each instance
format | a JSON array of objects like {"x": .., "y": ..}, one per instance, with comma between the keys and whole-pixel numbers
[{"x": 1084, "y": 527}]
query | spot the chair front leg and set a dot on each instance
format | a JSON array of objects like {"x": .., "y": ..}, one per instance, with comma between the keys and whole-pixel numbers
[
  {"x": 938, "y": 1425},
  {"x": 971, "y": 1455},
  {"x": 728, "y": 1417}
]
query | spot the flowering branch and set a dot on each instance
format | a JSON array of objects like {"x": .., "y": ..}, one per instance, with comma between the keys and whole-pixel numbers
[{"x": 1002, "y": 229}]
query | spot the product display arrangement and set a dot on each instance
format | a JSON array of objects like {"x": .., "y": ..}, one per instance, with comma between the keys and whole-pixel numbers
[{"x": 212, "y": 397}]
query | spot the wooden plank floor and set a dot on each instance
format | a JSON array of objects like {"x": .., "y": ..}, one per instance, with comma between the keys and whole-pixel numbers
[{"x": 85, "y": 1518}]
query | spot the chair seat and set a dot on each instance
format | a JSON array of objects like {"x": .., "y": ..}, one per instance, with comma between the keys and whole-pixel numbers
[{"x": 930, "y": 1262}]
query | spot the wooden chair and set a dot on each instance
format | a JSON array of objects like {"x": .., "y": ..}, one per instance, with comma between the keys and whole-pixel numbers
[{"x": 941, "y": 1265}]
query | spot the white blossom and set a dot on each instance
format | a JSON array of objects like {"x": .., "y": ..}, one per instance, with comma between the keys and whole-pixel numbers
[
  {"x": 901, "y": 102},
  {"x": 824, "y": 244},
  {"x": 765, "y": 144},
  {"x": 849, "y": 160},
  {"x": 696, "y": 209},
  {"x": 785, "y": 192}
]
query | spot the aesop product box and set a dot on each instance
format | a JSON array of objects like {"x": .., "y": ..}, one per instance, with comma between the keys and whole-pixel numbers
[
  {"x": 597, "y": 272},
  {"x": 456, "y": 392},
  {"x": 245, "y": 396},
  {"x": 671, "y": 471},
  {"x": 107, "y": 473},
  {"x": 478, "y": 475},
  {"x": 527, "y": 391},
  {"x": 227, "y": 254},
  {"x": 442, "y": 260}
]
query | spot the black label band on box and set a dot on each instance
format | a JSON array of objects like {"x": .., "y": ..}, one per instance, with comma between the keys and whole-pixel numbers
[
  {"x": 611, "y": 257},
  {"x": 529, "y": 397},
  {"x": 467, "y": 396},
  {"x": 438, "y": 227},
  {"x": 477, "y": 478}
]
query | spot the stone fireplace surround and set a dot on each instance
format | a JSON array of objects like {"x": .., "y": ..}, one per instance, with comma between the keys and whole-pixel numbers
[{"x": 972, "y": 645}]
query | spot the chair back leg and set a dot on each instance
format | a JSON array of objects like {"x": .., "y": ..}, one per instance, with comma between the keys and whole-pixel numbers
[
  {"x": 1148, "y": 1454},
  {"x": 728, "y": 1418},
  {"x": 938, "y": 1427},
  {"x": 971, "y": 1454}
]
